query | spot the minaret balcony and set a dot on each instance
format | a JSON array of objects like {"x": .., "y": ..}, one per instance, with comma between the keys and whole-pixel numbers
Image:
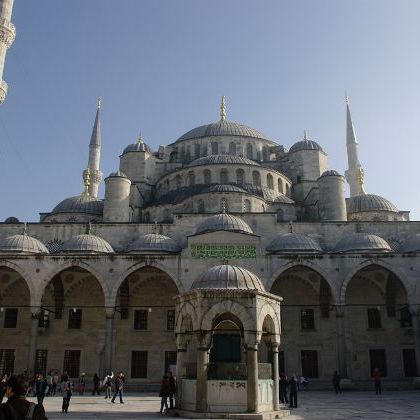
[
  {"x": 7, "y": 32},
  {"x": 3, "y": 91}
]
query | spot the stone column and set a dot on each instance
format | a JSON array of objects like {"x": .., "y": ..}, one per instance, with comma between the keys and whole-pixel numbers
[
  {"x": 109, "y": 338},
  {"x": 201, "y": 383},
  {"x": 33, "y": 338},
  {"x": 341, "y": 342},
  {"x": 181, "y": 353},
  {"x": 252, "y": 382},
  {"x": 415, "y": 316},
  {"x": 276, "y": 403}
]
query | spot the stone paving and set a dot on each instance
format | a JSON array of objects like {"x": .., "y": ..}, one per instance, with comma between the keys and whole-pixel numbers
[{"x": 313, "y": 405}]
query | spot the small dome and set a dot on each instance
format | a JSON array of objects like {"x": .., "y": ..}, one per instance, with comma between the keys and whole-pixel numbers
[
  {"x": 82, "y": 203},
  {"x": 12, "y": 220},
  {"x": 87, "y": 243},
  {"x": 222, "y": 160},
  {"x": 154, "y": 242},
  {"x": 369, "y": 202},
  {"x": 137, "y": 147},
  {"x": 117, "y": 174},
  {"x": 223, "y": 221},
  {"x": 293, "y": 242},
  {"x": 330, "y": 173},
  {"x": 411, "y": 244},
  {"x": 359, "y": 242},
  {"x": 222, "y": 128},
  {"x": 228, "y": 277},
  {"x": 22, "y": 244},
  {"x": 224, "y": 188},
  {"x": 305, "y": 144}
]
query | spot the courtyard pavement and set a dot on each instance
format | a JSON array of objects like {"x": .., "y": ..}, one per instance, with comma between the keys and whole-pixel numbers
[{"x": 313, "y": 405}]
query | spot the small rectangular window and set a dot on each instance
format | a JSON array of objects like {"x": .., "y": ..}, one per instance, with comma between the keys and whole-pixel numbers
[
  {"x": 139, "y": 364},
  {"x": 405, "y": 318},
  {"x": 140, "y": 319},
  {"x": 7, "y": 361},
  {"x": 170, "y": 320},
  {"x": 374, "y": 318},
  {"x": 71, "y": 363},
  {"x": 307, "y": 320},
  {"x": 75, "y": 319},
  {"x": 10, "y": 317},
  {"x": 41, "y": 361}
]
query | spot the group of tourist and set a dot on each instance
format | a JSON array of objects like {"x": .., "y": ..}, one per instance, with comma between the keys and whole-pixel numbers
[{"x": 289, "y": 387}]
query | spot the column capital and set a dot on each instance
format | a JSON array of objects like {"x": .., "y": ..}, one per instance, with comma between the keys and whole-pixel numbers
[
  {"x": 339, "y": 311},
  {"x": 110, "y": 312},
  {"x": 35, "y": 312},
  {"x": 275, "y": 347},
  {"x": 252, "y": 347}
]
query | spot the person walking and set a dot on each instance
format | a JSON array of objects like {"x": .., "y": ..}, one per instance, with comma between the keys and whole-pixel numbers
[
  {"x": 377, "y": 381},
  {"x": 40, "y": 388},
  {"x": 336, "y": 379},
  {"x": 3, "y": 382},
  {"x": 119, "y": 384},
  {"x": 165, "y": 390},
  {"x": 55, "y": 380},
  {"x": 108, "y": 384},
  {"x": 67, "y": 391},
  {"x": 283, "y": 385},
  {"x": 64, "y": 378},
  {"x": 293, "y": 391},
  {"x": 82, "y": 384},
  {"x": 17, "y": 406},
  {"x": 172, "y": 389},
  {"x": 96, "y": 382},
  {"x": 48, "y": 379}
]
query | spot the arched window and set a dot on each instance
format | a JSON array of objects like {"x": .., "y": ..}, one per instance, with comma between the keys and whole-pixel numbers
[
  {"x": 183, "y": 154},
  {"x": 247, "y": 206},
  {"x": 173, "y": 157},
  {"x": 270, "y": 182},
  {"x": 232, "y": 148},
  {"x": 214, "y": 148},
  {"x": 207, "y": 176},
  {"x": 240, "y": 176},
  {"x": 223, "y": 205},
  {"x": 191, "y": 178},
  {"x": 167, "y": 185},
  {"x": 280, "y": 215},
  {"x": 188, "y": 154},
  {"x": 256, "y": 179},
  {"x": 224, "y": 176},
  {"x": 280, "y": 185},
  {"x": 197, "y": 150},
  {"x": 178, "y": 181},
  {"x": 288, "y": 190},
  {"x": 200, "y": 206},
  {"x": 266, "y": 153},
  {"x": 146, "y": 217},
  {"x": 249, "y": 152}
]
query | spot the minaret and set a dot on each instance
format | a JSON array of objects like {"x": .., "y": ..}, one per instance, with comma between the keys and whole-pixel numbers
[
  {"x": 223, "y": 109},
  {"x": 7, "y": 36},
  {"x": 95, "y": 155},
  {"x": 354, "y": 167}
]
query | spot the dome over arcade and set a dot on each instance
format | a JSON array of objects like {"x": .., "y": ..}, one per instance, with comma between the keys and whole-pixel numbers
[
  {"x": 153, "y": 242},
  {"x": 22, "y": 244},
  {"x": 293, "y": 242},
  {"x": 87, "y": 243},
  {"x": 369, "y": 202},
  {"x": 138, "y": 146},
  {"x": 224, "y": 221},
  {"x": 305, "y": 144},
  {"x": 83, "y": 203},
  {"x": 222, "y": 160},
  {"x": 411, "y": 244},
  {"x": 228, "y": 277},
  {"x": 360, "y": 242}
]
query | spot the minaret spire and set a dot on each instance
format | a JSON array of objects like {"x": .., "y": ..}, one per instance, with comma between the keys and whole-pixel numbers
[
  {"x": 354, "y": 167},
  {"x": 7, "y": 36},
  {"x": 95, "y": 177},
  {"x": 223, "y": 109}
]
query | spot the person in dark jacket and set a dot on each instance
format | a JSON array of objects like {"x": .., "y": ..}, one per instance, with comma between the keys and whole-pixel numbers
[
  {"x": 17, "y": 406},
  {"x": 119, "y": 384},
  {"x": 165, "y": 390},
  {"x": 377, "y": 375},
  {"x": 67, "y": 393},
  {"x": 96, "y": 382},
  {"x": 283, "y": 385},
  {"x": 3, "y": 382},
  {"x": 172, "y": 389},
  {"x": 336, "y": 382},
  {"x": 293, "y": 391},
  {"x": 40, "y": 387}
]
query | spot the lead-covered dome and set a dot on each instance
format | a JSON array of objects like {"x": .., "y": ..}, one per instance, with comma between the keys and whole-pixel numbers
[
  {"x": 228, "y": 277},
  {"x": 293, "y": 242},
  {"x": 83, "y": 203},
  {"x": 137, "y": 147},
  {"x": 153, "y": 242},
  {"x": 361, "y": 242},
  {"x": 305, "y": 144},
  {"x": 22, "y": 244},
  {"x": 330, "y": 172},
  {"x": 87, "y": 243},
  {"x": 369, "y": 202},
  {"x": 222, "y": 160},
  {"x": 224, "y": 221}
]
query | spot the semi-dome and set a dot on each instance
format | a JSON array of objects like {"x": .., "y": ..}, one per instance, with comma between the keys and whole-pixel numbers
[
  {"x": 83, "y": 203},
  {"x": 331, "y": 172},
  {"x": 224, "y": 221},
  {"x": 12, "y": 220},
  {"x": 360, "y": 242},
  {"x": 305, "y": 144},
  {"x": 228, "y": 277},
  {"x": 411, "y": 244},
  {"x": 369, "y": 202},
  {"x": 153, "y": 242},
  {"x": 222, "y": 160},
  {"x": 87, "y": 243},
  {"x": 224, "y": 188},
  {"x": 222, "y": 128},
  {"x": 24, "y": 244},
  {"x": 293, "y": 242}
]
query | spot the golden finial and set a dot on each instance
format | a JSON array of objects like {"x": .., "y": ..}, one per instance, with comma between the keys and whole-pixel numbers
[
  {"x": 361, "y": 177},
  {"x": 223, "y": 109},
  {"x": 140, "y": 138},
  {"x": 347, "y": 99},
  {"x": 86, "y": 180},
  {"x": 99, "y": 102}
]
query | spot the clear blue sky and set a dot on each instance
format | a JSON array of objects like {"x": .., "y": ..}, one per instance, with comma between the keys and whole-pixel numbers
[{"x": 162, "y": 66}]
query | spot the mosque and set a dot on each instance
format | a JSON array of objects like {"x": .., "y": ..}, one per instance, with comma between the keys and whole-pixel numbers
[{"x": 119, "y": 282}]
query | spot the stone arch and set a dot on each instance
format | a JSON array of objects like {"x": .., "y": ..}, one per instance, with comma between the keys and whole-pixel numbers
[
  {"x": 240, "y": 176},
  {"x": 191, "y": 178},
  {"x": 224, "y": 176},
  {"x": 187, "y": 309},
  {"x": 207, "y": 176},
  {"x": 256, "y": 179},
  {"x": 249, "y": 151},
  {"x": 270, "y": 181},
  {"x": 25, "y": 276},
  {"x": 280, "y": 185},
  {"x": 267, "y": 311}
]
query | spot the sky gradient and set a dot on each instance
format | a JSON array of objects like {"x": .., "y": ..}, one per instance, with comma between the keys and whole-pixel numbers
[{"x": 161, "y": 66}]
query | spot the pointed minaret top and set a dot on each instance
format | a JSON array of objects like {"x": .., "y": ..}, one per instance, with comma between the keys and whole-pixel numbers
[
  {"x": 351, "y": 136},
  {"x": 99, "y": 102},
  {"x": 140, "y": 138},
  {"x": 223, "y": 109},
  {"x": 95, "y": 140}
]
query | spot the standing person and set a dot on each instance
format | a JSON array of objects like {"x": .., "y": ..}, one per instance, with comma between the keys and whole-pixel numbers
[
  {"x": 64, "y": 378},
  {"x": 3, "y": 382},
  {"x": 82, "y": 383},
  {"x": 336, "y": 382},
  {"x": 283, "y": 389},
  {"x": 108, "y": 384},
  {"x": 96, "y": 384},
  {"x": 172, "y": 389},
  {"x": 293, "y": 391},
  {"x": 40, "y": 388},
  {"x": 67, "y": 390},
  {"x": 55, "y": 379},
  {"x": 119, "y": 384},
  {"x": 165, "y": 390},
  {"x": 48, "y": 379},
  {"x": 377, "y": 380},
  {"x": 17, "y": 406}
]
